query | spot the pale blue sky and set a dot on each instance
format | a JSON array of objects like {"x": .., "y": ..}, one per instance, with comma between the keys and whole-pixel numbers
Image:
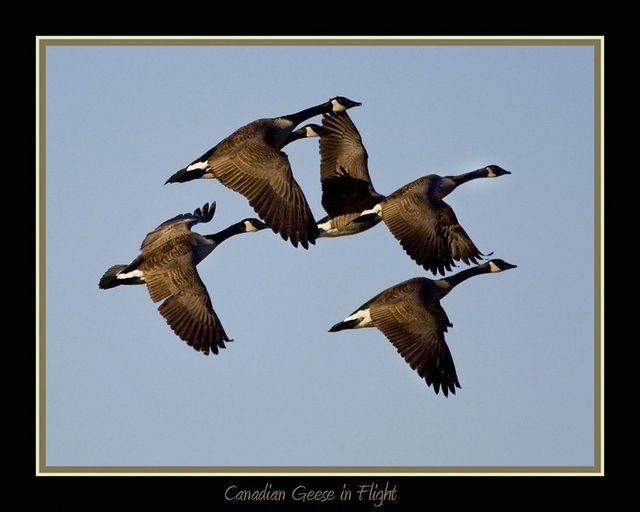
[{"x": 122, "y": 389}]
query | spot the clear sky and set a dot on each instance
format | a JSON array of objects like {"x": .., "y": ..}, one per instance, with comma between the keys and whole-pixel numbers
[{"x": 122, "y": 389}]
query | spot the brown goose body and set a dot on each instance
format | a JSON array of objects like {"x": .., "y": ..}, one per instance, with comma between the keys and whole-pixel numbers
[
  {"x": 425, "y": 225},
  {"x": 410, "y": 316},
  {"x": 167, "y": 266},
  {"x": 250, "y": 162}
]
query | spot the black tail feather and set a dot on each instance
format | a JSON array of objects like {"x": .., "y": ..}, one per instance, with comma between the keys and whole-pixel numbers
[
  {"x": 109, "y": 278},
  {"x": 183, "y": 175},
  {"x": 349, "y": 324}
]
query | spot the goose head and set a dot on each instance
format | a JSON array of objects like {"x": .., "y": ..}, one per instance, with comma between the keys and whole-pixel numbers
[
  {"x": 498, "y": 265},
  {"x": 340, "y": 103},
  {"x": 312, "y": 130},
  {"x": 252, "y": 224},
  {"x": 493, "y": 171},
  {"x": 304, "y": 132}
]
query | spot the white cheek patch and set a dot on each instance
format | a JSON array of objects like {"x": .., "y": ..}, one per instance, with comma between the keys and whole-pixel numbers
[
  {"x": 494, "y": 267},
  {"x": 337, "y": 107},
  {"x": 248, "y": 227},
  {"x": 128, "y": 275},
  {"x": 310, "y": 132},
  {"x": 363, "y": 316}
]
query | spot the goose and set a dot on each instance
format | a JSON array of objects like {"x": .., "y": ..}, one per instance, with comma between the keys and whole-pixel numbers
[
  {"x": 250, "y": 162},
  {"x": 427, "y": 227},
  {"x": 409, "y": 315},
  {"x": 347, "y": 190},
  {"x": 167, "y": 265}
]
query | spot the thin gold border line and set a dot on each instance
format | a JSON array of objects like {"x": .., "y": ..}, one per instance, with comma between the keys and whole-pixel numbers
[
  {"x": 323, "y": 471},
  {"x": 40, "y": 259},
  {"x": 599, "y": 290},
  {"x": 597, "y": 469},
  {"x": 326, "y": 40}
]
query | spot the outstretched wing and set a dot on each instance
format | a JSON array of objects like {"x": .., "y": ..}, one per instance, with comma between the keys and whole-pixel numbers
[
  {"x": 178, "y": 225},
  {"x": 344, "y": 173},
  {"x": 429, "y": 233},
  {"x": 187, "y": 308},
  {"x": 416, "y": 329},
  {"x": 263, "y": 175}
]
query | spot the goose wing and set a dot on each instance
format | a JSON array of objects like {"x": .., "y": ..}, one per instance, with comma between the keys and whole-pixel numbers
[
  {"x": 341, "y": 147},
  {"x": 187, "y": 306},
  {"x": 459, "y": 244},
  {"x": 176, "y": 226},
  {"x": 416, "y": 329},
  {"x": 429, "y": 233},
  {"x": 263, "y": 175},
  {"x": 344, "y": 172}
]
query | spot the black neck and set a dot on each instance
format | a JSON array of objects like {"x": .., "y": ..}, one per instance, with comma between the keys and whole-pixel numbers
[
  {"x": 221, "y": 236},
  {"x": 450, "y": 282},
  {"x": 468, "y": 176},
  {"x": 300, "y": 133},
  {"x": 308, "y": 113}
]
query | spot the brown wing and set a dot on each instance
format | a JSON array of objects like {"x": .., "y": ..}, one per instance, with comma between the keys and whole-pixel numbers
[
  {"x": 187, "y": 308},
  {"x": 459, "y": 243},
  {"x": 341, "y": 147},
  {"x": 344, "y": 172},
  {"x": 263, "y": 175},
  {"x": 416, "y": 329},
  {"x": 177, "y": 226},
  {"x": 430, "y": 234}
]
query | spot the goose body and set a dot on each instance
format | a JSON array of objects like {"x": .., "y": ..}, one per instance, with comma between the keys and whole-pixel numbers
[
  {"x": 250, "y": 162},
  {"x": 425, "y": 225},
  {"x": 167, "y": 266},
  {"x": 410, "y": 316}
]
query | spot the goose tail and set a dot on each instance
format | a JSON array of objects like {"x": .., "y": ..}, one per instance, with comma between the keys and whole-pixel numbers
[
  {"x": 372, "y": 215},
  {"x": 345, "y": 324},
  {"x": 186, "y": 174},
  {"x": 110, "y": 278}
]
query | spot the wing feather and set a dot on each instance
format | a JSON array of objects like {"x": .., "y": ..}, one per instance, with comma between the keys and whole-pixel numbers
[
  {"x": 416, "y": 327},
  {"x": 265, "y": 178},
  {"x": 428, "y": 232}
]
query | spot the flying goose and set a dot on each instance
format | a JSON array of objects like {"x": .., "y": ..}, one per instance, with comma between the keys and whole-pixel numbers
[
  {"x": 347, "y": 190},
  {"x": 250, "y": 162},
  {"x": 426, "y": 226},
  {"x": 409, "y": 314},
  {"x": 167, "y": 265}
]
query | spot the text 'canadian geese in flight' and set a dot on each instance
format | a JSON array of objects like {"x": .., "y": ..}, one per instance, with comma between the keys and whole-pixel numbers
[
  {"x": 409, "y": 314},
  {"x": 416, "y": 215},
  {"x": 167, "y": 265},
  {"x": 250, "y": 162}
]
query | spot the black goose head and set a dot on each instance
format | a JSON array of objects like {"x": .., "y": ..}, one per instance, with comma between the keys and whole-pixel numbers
[
  {"x": 493, "y": 171},
  {"x": 250, "y": 225},
  {"x": 498, "y": 265},
  {"x": 306, "y": 131},
  {"x": 340, "y": 103}
]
